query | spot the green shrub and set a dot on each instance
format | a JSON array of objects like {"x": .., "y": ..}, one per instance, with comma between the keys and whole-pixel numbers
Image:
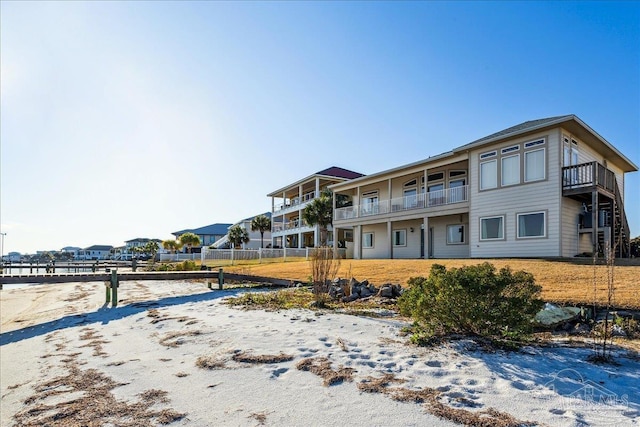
[
  {"x": 187, "y": 265},
  {"x": 474, "y": 301}
]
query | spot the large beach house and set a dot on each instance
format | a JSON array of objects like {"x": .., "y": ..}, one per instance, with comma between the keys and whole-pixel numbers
[
  {"x": 544, "y": 188},
  {"x": 288, "y": 229}
]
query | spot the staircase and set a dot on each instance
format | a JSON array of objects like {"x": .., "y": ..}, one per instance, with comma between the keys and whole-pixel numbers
[{"x": 580, "y": 182}]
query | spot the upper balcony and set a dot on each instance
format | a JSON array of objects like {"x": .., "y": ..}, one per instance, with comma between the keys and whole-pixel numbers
[
  {"x": 587, "y": 177},
  {"x": 294, "y": 203},
  {"x": 297, "y": 225},
  {"x": 426, "y": 200}
]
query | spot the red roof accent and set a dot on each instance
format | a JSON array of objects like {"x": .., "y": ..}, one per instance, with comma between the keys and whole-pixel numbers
[{"x": 340, "y": 173}]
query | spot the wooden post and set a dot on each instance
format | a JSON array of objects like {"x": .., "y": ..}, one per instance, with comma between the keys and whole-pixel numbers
[
  {"x": 114, "y": 288},
  {"x": 220, "y": 279},
  {"x": 107, "y": 286}
]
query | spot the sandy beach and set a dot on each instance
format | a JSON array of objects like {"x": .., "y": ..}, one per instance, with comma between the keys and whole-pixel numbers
[{"x": 173, "y": 353}]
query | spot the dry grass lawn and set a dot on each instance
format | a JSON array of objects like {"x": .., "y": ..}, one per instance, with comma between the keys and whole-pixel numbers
[{"x": 562, "y": 281}]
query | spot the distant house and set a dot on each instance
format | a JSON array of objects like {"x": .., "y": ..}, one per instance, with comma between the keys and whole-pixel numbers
[
  {"x": 208, "y": 234},
  {"x": 95, "y": 252},
  {"x": 12, "y": 257},
  {"x": 72, "y": 250},
  {"x": 254, "y": 236},
  {"x": 287, "y": 204}
]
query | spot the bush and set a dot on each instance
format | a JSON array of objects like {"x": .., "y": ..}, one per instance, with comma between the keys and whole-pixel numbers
[
  {"x": 472, "y": 300},
  {"x": 187, "y": 265}
]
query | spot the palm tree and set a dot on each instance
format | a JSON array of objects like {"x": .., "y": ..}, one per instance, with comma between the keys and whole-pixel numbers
[
  {"x": 238, "y": 236},
  {"x": 190, "y": 240},
  {"x": 171, "y": 245},
  {"x": 320, "y": 212},
  {"x": 261, "y": 223}
]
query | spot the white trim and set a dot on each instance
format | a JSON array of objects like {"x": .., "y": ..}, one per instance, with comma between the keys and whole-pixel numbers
[
  {"x": 364, "y": 240},
  {"x": 544, "y": 225},
  {"x": 503, "y": 218},
  {"x": 544, "y": 164},
  {"x": 402, "y": 231}
]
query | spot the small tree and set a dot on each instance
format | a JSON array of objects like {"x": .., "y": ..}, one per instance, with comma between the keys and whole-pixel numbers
[
  {"x": 151, "y": 248},
  {"x": 189, "y": 240},
  {"x": 171, "y": 245},
  {"x": 261, "y": 223},
  {"x": 473, "y": 300},
  {"x": 320, "y": 212},
  {"x": 324, "y": 268},
  {"x": 238, "y": 236}
]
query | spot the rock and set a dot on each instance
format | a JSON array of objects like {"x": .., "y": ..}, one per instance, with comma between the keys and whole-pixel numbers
[
  {"x": 580, "y": 329},
  {"x": 365, "y": 292},
  {"x": 617, "y": 331},
  {"x": 386, "y": 291},
  {"x": 397, "y": 290},
  {"x": 350, "y": 298}
]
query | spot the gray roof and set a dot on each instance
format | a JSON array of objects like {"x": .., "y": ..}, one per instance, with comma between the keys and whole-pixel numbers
[
  {"x": 99, "y": 248},
  {"x": 520, "y": 128},
  {"x": 211, "y": 229}
]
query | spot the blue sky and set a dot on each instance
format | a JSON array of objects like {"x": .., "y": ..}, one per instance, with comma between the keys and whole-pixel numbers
[{"x": 137, "y": 119}]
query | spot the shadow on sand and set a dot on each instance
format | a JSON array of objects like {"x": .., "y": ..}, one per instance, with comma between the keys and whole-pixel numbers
[{"x": 105, "y": 314}]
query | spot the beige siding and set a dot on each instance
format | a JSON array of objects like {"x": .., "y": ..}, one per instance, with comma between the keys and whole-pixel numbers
[
  {"x": 440, "y": 247},
  {"x": 412, "y": 248},
  {"x": 571, "y": 210},
  {"x": 509, "y": 201},
  {"x": 380, "y": 242}
]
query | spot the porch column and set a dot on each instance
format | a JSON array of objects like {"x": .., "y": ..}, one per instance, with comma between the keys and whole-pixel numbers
[
  {"x": 316, "y": 237},
  {"x": 300, "y": 193},
  {"x": 317, "y": 188},
  {"x": 273, "y": 204},
  {"x": 390, "y": 195},
  {"x": 357, "y": 242},
  {"x": 390, "y": 237},
  {"x": 335, "y": 243},
  {"x": 425, "y": 237},
  {"x": 300, "y": 240},
  {"x": 594, "y": 221}
]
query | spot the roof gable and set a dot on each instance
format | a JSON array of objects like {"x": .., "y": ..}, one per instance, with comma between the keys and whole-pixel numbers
[
  {"x": 339, "y": 173},
  {"x": 211, "y": 229}
]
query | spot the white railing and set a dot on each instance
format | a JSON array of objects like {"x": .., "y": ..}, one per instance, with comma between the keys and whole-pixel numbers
[
  {"x": 419, "y": 201},
  {"x": 295, "y": 201},
  {"x": 239, "y": 256},
  {"x": 291, "y": 225},
  {"x": 179, "y": 257}
]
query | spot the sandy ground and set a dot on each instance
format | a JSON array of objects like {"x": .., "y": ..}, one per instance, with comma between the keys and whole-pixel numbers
[{"x": 173, "y": 353}]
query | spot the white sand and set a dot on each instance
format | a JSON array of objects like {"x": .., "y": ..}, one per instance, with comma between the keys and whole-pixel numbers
[{"x": 43, "y": 325}]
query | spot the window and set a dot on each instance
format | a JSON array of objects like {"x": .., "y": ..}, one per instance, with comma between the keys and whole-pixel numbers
[
  {"x": 457, "y": 190},
  {"x": 454, "y": 173},
  {"x": 531, "y": 225},
  {"x": 367, "y": 240},
  {"x": 510, "y": 149},
  {"x": 399, "y": 237},
  {"x": 436, "y": 195},
  {"x": 534, "y": 165},
  {"x": 511, "y": 170},
  {"x": 410, "y": 198},
  {"x": 370, "y": 203},
  {"x": 488, "y": 175},
  {"x": 435, "y": 176},
  {"x": 534, "y": 143},
  {"x": 489, "y": 154},
  {"x": 492, "y": 228},
  {"x": 455, "y": 234}
]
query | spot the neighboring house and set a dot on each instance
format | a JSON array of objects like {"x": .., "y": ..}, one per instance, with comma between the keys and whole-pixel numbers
[
  {"x": 254, "y": 236},
  {"x": 12, "y": 257},
  {"x": 72, "y": 250},
  {"x": 95, "y": 252},
  {"x": 208, "y": 234},
  {"x": 288, "y": 203},
  {"x": 544, "y": 188}
]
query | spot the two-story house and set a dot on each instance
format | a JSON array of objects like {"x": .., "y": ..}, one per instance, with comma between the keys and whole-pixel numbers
[
  {"x": 256, "y": 240},
  {"x": 209, "y": 234},
  {"x": 544, "y": 188},
  {"x": 287, "y": 204}
]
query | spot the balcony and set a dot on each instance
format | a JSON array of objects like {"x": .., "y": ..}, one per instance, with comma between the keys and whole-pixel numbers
[
  {"x": 587, "y": 177},
  {"x": 298, "y": 225},
  {"x": 294, "y": 203},
  {"x": 427, "y": 200}
]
